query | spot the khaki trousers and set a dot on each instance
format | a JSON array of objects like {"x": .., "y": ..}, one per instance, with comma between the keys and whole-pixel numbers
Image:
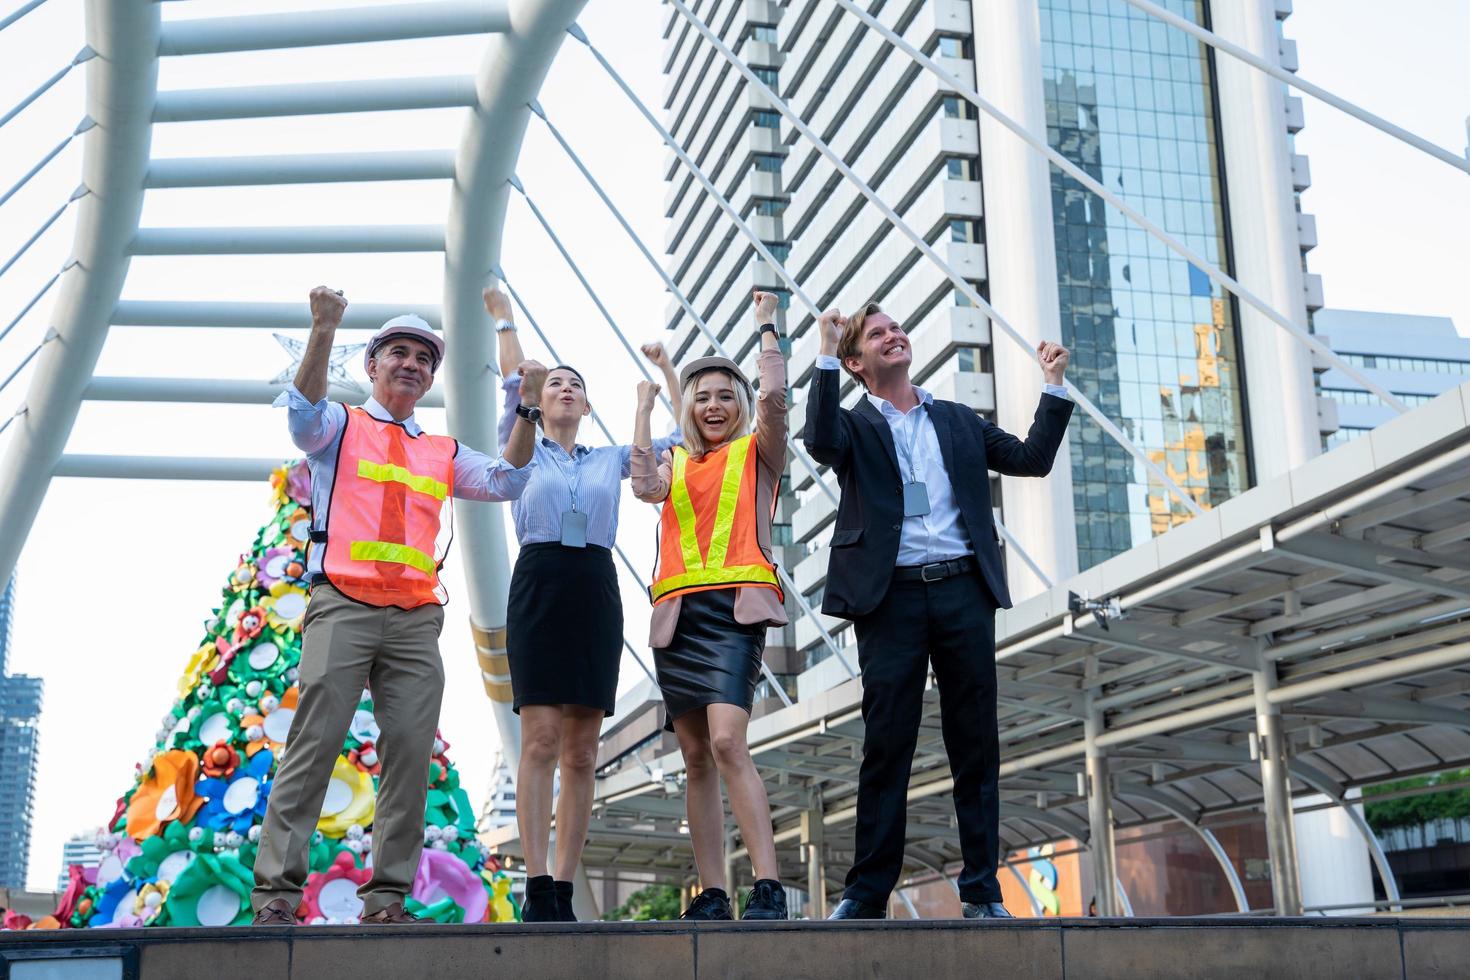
[{"x": 345, "y": 645}]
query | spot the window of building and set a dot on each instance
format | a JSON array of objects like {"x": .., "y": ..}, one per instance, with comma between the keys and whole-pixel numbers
[
  {"x": 954, "y": 47},
  {"x": 1423, "y": 365},
  {"x": 780, "y": 250},
  {"x": 955, "y": 107},
  {"x": 769, "y": 206},
  {"x": 766, "y": 118},
  {"x": 768, "y": 163},
  {"x": 764, "y": 33},
  {"x": 962, "y": 168},
  {"x": 966, "y": 230},
  {"x": 1350, "y": 396},
  {"x": 768, "y": 75}
]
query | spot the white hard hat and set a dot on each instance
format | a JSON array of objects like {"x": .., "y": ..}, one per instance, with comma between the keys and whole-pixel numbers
[{"x": 407, "y": 325}]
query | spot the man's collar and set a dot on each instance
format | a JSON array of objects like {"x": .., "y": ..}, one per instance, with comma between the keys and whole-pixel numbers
[
  {"x": 885, "y": 406},
  {"x": 377, "y": 411}
]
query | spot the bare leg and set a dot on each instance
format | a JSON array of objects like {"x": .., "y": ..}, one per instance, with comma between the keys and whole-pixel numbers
[
  {"x": 727, "y": 724},
  {"x": 540, "y": 746},
  {"x": 580, "y": 728},
  {"x": 702, "y": 804}
]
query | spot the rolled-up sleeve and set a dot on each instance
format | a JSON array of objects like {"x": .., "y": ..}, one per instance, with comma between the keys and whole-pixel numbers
[
  {"x": 315, "y": 426},
  {"x": 512, "y": 388},
  {"x": 479, "y": 477},
  {"x": 661, "y": 445},
  {"x": 651, "y": 475}
]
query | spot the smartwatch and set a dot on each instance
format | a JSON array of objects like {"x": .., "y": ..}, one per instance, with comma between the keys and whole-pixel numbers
[
  {"x": 501, "y": 326},
  {"x": 770, "y": 328},
  {"x": 532, "y": 414}
]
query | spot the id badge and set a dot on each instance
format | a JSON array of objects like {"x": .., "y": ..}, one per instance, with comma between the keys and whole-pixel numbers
[
  {"x": 915, "y": 499},
  {"x": 574, "y": 529}
]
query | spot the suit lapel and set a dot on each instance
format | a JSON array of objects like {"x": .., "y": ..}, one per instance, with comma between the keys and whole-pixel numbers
[
  {"x": 939, "y": 414},
  {"x": 885, "y": 434}
]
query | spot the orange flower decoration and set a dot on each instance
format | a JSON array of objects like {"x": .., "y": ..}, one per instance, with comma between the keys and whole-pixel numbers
[
  {"x": 269, "y": 731},
  {"x": 220, "y": 760},
  {"x": 298, "y": 529},
  {"x": 165, "y": 794}
]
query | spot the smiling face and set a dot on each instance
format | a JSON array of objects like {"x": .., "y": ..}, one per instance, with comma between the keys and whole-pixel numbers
[
  {"x": 716, "y": 410},
  {"x": 563, "y": 397},
  {"x": 875, "y": 346},
  {"x": 402, "y": 369}
]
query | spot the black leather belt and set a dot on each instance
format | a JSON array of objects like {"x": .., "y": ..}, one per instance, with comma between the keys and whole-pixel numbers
[{"x": 935, "y": 571}]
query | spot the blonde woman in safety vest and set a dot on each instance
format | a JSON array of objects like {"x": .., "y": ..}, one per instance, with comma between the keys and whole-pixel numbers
[
  {"x": 378, "y": 486},
  {"x": 714, "y": 594}
]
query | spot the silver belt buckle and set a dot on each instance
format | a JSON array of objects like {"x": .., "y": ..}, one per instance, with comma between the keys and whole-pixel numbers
[{"x": 941, "y": 566}]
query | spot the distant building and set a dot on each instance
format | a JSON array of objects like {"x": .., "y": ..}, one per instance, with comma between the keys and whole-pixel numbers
[
  {"x": 81, "y": 849},
  {"x": 500, "y": 805},
  {"x": 20, "y": 711},
  {"x": 1415, "y": 357}
]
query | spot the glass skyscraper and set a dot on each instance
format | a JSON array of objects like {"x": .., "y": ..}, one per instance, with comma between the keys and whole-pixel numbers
[
  {"x": 1131, "y": 101},
  {"x": 20, "y": 712}
]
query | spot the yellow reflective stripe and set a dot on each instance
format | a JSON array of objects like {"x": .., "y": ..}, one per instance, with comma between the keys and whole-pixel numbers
[
  {"x": 684, "y": 512},
  {"x": 400, "y": 554},
  {"x": 389, "y": 473},
  {"x": 743, "y": 574},
  {"x": 719, "y": 542}
]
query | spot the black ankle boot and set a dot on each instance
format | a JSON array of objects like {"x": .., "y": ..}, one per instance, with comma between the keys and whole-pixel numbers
[
  {"x": 564, "y": 911},
  {"x": 540, "y": 904}
]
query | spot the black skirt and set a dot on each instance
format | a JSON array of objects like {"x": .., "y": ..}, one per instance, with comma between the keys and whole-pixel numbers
[
  {"x": 564, "y": 626},
  {"x": 712, "y": 659}
]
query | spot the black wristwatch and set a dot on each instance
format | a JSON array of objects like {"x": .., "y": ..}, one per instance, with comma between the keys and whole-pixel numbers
[
  {"x": 531, "y": 414},
  {"x": 771, "y": 328}
]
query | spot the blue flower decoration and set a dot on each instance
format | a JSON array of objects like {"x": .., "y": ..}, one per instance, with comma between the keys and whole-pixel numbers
[{"x": 239, "y": 801}]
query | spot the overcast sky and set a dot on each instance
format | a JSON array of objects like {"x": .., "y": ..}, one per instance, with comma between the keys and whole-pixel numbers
[{"x": 117, "y": 576}]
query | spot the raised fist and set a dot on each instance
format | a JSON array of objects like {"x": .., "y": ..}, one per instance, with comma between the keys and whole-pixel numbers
[
  {"x": 655, "y": 352},
  {"x": 497, "y": 304},
  {"x": 533, "y": 376},
  {"x": 765, "y": 307},
  {"x": 647, "y": 395},
  {"x": 327, "y": 307},
  {"x": 1053, "y": 358},
  {"x": 831, "y": 324}
]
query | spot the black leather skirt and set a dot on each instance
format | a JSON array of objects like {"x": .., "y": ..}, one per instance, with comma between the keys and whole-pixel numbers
[{"x": 712, "y": 659}]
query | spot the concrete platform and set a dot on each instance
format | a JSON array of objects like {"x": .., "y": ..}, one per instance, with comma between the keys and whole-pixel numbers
[{"x": 1079, "y": 949}]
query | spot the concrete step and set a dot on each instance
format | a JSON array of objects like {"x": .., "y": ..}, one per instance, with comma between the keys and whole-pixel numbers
[{"x": 1080, "y": 949}]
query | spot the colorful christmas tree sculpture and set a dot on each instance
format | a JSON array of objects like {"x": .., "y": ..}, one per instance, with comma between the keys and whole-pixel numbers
[{"x": 181, "y": 845}]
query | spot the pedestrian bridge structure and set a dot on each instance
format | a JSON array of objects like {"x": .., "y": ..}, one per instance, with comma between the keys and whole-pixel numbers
[{"x": 1306, "y": 638}]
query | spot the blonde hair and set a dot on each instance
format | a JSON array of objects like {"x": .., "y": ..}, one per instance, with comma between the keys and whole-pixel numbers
[
  {"x": 693, "y": 441},
  {"x": 850, "y": 344}
]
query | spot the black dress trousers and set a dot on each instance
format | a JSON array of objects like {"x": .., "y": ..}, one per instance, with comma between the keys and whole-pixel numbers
[{"x": 952, "y": 623}]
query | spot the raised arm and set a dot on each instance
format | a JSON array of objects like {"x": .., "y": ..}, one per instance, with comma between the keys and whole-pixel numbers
[
  {"x": 825, "y": 434},
  {"x": 521, "y": 445},
  {"x": 327, "y": 307},
  {"x": 508, "y": 342},
  {"x": 656, "y": 353},
  {"x": 770, "y": 404},
  {"x": 1034, "y": 455},
  {"x": 650, "y": 480}
]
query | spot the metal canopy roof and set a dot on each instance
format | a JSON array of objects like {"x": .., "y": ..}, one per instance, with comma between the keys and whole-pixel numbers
[{"x": 1347, "y": 575}]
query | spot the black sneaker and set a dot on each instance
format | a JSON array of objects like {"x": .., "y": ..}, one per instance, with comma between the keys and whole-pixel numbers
[
  {"x": 712, "y": 903},
  {"x": 767, "y": 901},
  {"x": 540, "y": 903},
  {"x": 564, "y": 911}
]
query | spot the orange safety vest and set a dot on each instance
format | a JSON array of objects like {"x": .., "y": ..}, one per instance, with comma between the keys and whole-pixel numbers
[
  {"x": 707, "y": 531},
  {"x": 383, "y": 515}
]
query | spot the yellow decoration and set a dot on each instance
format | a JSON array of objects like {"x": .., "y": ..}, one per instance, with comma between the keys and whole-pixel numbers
[
  {"x": 358, "y": 809},
  {"x": 201, "y": 663}
]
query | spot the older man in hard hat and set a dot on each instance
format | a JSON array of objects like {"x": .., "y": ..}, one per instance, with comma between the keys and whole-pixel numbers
[{"x": 378, "y": 486}]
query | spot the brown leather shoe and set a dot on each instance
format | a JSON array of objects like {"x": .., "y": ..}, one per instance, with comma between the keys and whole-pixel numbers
[
  {"x": 390, "y": 915},
  {"x": 276, "y": 912}
]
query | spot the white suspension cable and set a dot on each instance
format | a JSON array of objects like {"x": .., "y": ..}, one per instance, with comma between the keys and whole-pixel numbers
[
  {"x": 55, "y": 216},
  {"x": 1105, "y": 423},
  {"x": 18, "y": 413},
  {"x": 19, "y": 13},
  {"x": 591, "y": 293},
  {"x": 764, "y": 252},
  {"x": 51, "y": 335},
  {"x": 86, "y": 54},
  {"x": 85, "y": 125},
  {"x": 34, "y": 300},
  {"x": 1086, "y": 180},
  {"x": 791, "y": 586},
  {"x": 1275, "y": 71},
  {"x": 796, "y": 449}
]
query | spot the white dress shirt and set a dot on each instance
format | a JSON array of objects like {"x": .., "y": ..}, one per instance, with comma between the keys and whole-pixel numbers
[
  {"x": 317, "y": 429},
  {"x": 940, "y": 534}
]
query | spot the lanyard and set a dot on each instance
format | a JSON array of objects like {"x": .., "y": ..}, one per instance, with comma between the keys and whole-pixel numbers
[
  {"x": 907, "y": 458},
  {"x": 573, "y": 481}
]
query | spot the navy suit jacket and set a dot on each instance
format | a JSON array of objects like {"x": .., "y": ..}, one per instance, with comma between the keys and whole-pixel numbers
[{"x": 858, "y": 444}]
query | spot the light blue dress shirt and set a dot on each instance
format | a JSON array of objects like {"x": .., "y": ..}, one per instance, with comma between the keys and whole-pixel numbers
[
  {"x": 940, "y": 534},
  {"x": 317, "y": 429},
  {"x": 597, "y": 474}
]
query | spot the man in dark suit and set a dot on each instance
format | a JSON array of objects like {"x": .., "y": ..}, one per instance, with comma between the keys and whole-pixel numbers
[{"x": 916, "y": 566}]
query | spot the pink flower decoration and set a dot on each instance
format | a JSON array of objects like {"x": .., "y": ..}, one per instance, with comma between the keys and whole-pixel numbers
[
  {"x": 298, "y": 483},
  {"x": 442, "y": 874}
]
